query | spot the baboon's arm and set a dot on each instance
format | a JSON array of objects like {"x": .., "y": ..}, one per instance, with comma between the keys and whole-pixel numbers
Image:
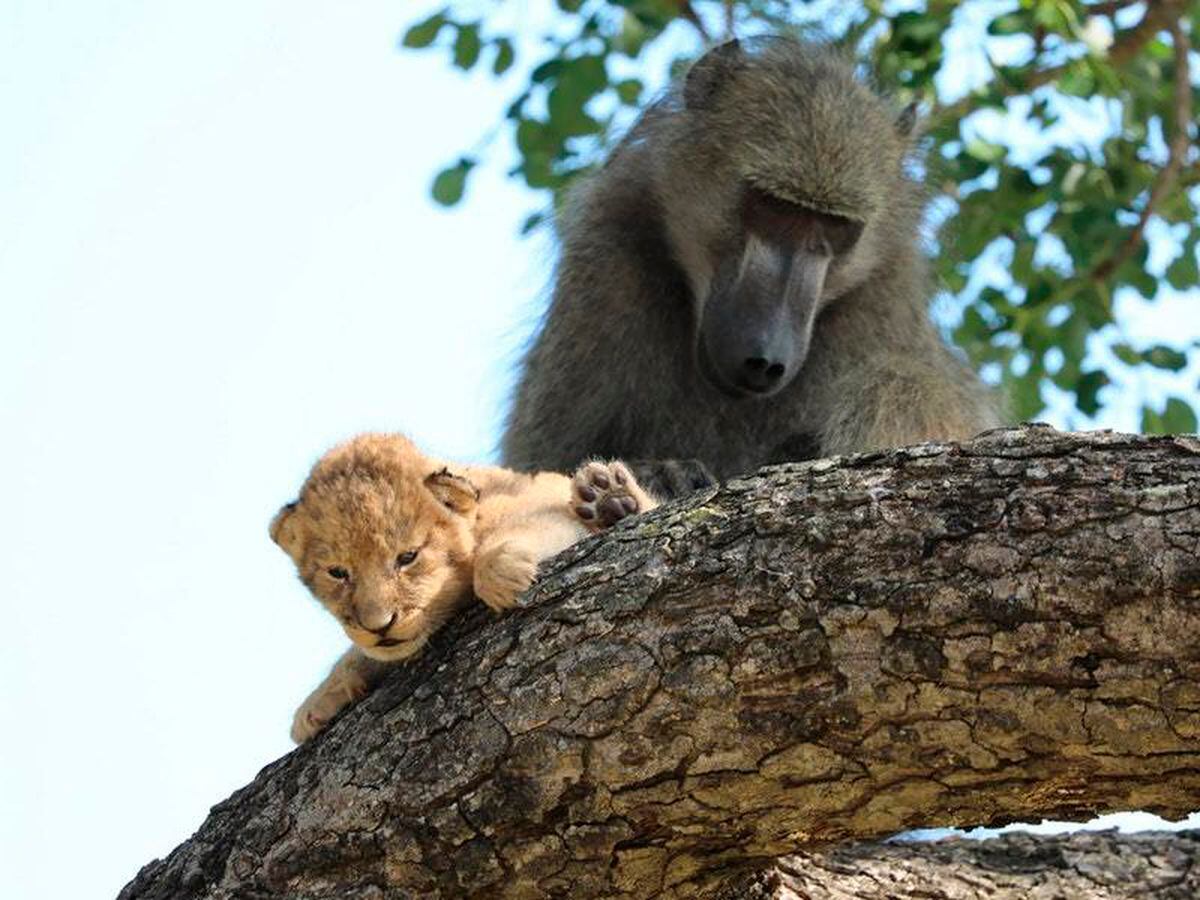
[
  {"x": 901, "y": 400},
  {"x": 588, "y": 370}
]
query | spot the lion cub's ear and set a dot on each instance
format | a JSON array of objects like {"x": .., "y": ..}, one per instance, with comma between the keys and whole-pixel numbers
[
  {"x": 453, "y": 491},
  {"x": 284, "y": 530}
]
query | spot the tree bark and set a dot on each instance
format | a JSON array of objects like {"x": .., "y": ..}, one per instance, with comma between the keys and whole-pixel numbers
[
  {"x": 838, "y": 650},
  {"x": 1082, "y": 866}
]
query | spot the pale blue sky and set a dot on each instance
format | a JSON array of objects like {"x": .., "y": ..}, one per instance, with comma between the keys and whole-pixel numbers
[{"x": 217, "y": 257}]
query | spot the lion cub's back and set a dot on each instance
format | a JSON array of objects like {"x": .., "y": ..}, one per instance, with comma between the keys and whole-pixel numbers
[{"x": 506, "y": 496}]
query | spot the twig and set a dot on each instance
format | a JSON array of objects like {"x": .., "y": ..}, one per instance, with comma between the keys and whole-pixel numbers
[
  {"x": 687, "y": 11},
  {"x": 1176, "y": 156},
  {"x": 1109, "y": 8}
]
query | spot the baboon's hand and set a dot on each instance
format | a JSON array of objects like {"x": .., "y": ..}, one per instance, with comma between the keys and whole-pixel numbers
[
  {"x": 796, "y": 448},
  {"x": 604, "y": 493},
  {"x": 669, "y": 479},
  {"x": 502, "y": 573}
]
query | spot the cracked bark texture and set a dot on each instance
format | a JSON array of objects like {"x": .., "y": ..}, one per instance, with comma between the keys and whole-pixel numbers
[{"x": 947, "y": 634}]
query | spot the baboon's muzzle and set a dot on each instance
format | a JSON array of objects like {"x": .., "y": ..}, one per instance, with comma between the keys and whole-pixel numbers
[{"x": 758, "y": 319}]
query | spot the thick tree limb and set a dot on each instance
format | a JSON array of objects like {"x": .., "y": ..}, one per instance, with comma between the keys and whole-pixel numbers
[
  {"x": 1091, "y": 865},
  {"x": 939, "y": 635}
]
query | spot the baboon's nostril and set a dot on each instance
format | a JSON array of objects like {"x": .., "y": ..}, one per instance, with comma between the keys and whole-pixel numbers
[{"x": 761, "y": 374}]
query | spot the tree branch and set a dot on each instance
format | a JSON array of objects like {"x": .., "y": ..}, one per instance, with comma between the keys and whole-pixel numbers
[
  {"x": 1098, "y": 866},
  {"x": 1177, "y": 151},
  {"x": 939, "y": 635},
  {"x": 688, "y": 12},
  {"x": 1108, "y": 7}
]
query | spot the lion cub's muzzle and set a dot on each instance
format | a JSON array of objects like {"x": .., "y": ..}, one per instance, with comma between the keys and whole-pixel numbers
[{"x": 397, "y": 634}]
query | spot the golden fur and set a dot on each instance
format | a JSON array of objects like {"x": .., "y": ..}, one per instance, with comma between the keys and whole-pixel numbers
[{"x": 393, "y": 542}]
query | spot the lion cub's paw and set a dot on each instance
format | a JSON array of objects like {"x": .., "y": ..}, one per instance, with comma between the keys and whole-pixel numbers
[
  {"x": 502, "y": 573},
  {"x": 322, "y": 705},
  {"x": 604, "y": 493}
]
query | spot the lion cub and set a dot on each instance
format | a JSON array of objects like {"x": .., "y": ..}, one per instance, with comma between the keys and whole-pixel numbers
[{"x": 392, "y": 542}]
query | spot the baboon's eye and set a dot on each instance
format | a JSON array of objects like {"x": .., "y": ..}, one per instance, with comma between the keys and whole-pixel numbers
[
  {"x": 338, "y": 572},
  {"x": 775, "y": 217},
  {"x": 405, "y": 558}
]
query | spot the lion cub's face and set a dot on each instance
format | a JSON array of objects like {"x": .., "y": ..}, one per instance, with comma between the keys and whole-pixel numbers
[{"x": 383, "y": 537}]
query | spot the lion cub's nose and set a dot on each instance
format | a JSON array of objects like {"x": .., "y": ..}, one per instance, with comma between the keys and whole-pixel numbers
[{"x": 377, "y": 621}]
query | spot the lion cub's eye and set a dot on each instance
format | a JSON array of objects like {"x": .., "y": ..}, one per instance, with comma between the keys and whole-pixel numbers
[
  {"x": 338, "y": 572},
  {"x": 405, "y": 558}
]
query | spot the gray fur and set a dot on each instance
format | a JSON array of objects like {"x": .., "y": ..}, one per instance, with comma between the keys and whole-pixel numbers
[{"x": 615, "y": 371}]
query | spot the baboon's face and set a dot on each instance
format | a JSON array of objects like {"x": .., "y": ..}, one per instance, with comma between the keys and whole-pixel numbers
[
  {"x": 756, "y": 323},
  {"x": 787, "y": 160}
]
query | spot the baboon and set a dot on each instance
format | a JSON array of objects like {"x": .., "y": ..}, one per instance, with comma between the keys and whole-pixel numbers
[{"x": 742, "y": 283}]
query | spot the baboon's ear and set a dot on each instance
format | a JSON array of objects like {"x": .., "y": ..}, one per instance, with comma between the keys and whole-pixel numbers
[
  {"x": 709, "y": 72},
  {"x": 906, "y": 122},
  {"x": 453, "y": 491},
  {"x": 284, "y": 530}
]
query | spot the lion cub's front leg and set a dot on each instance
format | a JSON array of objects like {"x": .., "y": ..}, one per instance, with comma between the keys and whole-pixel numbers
[
  {"x": 604, "y": 493},
  {"x": 352, "y": 678},
  {"x": 504, "y": 568}
]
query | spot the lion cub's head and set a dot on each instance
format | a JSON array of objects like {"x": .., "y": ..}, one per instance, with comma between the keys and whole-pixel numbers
[{"x": 384, "y": 538}]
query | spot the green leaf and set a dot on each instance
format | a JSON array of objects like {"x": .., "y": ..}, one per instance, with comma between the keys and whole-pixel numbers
[
  {"x": 633, "y": 35},
  {"x": 985, "y": 151},
  {"x": 546, "y": 70},
  {"x": 516, "y": 109},
  {"x": 504, "y": 56},
  {"x": 955, "y": 277},
  {"x": 1078, "y": 81},
  {"x": 1179, "y": 417},
  {"x": 467, "y": 46},
  {"x": 1087, "y": 389},
  {"x": 588, "y": 73},
  {"x": 448, "y": 186},
  {"x": 1162, "y": 357},
  {"x": 578, "y": 80},
  {"x": 1093, "y": 303},
  {"x": 537, "y": 171},
  {"x": 567, "y": 115},
  {"x": 533, "y": 137},
  {"x": 1127, "y": 354},
  {"x": 1026, "y": 394},
  {"x": 1009, "y": 23},
  {"x": 1176, "y": 418},
  {"x": 629, "y": 91},
  {"x": 1022, "y": 263},
  {"x": 656, "y": 14},
  {"x": 1143, "y": 282},
  {"x": 915, "y": 31},
  {"x": 532, "y": 221},
  {"x": 1183, "y": 273},
  {"x": 425, "y": 32}
]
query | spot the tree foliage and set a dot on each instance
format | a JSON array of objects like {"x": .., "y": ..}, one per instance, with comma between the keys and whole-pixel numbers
[{"x": 1061, "y": 150}]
